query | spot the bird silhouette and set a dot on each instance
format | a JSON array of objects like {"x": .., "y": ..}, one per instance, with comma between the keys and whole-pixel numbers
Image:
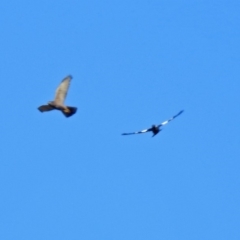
[
  {"x": 58, "y": 102},
  {"x": 155, "y": 129}
]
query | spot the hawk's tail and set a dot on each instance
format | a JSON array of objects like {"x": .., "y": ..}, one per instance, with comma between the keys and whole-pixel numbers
[{"x": 69, "y": 111}]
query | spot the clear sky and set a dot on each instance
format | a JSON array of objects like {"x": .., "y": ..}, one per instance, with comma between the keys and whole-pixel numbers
[{"x": 134, "y": 64}]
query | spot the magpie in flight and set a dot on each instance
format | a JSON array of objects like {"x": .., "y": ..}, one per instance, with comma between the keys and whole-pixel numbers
[{"x": 155, "y": 128}]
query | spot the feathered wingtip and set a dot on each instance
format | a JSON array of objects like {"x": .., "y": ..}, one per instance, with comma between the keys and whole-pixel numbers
[
  {"x": 69, "y": 111},
  {"x": 45, "y": 108}
]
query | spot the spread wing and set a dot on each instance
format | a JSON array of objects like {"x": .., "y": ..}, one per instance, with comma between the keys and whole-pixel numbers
[
  {"x": 45, "y": 108},
  {"x": 143, "y": 131},
  {"x": 62, "y": 90},
  {"x": 170, "y": 119}
]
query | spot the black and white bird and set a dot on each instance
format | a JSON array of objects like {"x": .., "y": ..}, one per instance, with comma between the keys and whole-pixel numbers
[{"x": 155, "y": 129}]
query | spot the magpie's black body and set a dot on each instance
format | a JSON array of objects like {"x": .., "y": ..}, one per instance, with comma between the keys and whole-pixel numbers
[{"x": 155, "y": 129}]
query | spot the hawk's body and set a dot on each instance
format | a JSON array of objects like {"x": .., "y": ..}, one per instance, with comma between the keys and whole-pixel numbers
[{"x": 58, "y": 103}]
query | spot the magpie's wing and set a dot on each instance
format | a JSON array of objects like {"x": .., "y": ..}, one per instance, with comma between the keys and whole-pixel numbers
[
  {"x": 170, "y": 119},
  {"x": 143, "y": 131}
]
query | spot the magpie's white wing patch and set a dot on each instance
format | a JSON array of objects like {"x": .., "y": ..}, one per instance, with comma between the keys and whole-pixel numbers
[
  {"x": 170, "y": 119},
  {"x": 163, "y": 123},
  {"x": 143, "y": 131}
]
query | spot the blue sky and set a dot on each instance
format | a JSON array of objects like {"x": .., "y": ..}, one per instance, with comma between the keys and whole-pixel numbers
[{"x": 134, "y": 64}]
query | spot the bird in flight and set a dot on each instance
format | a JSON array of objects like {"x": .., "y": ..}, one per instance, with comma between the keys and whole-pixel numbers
[
  {"x": 58, "y": 102},
  {"x": 155, "y": 129}
]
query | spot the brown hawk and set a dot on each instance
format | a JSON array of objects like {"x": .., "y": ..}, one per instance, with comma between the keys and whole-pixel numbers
[{"x": 58, "y": 103}]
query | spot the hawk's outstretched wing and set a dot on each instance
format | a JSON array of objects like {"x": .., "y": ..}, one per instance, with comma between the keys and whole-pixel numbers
[
  {"x": 62, "y": 90},
  {"x": 170, "y": 119},
  {"x": 143, "y": 131},
  {"x": 45, "y": 108}
]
